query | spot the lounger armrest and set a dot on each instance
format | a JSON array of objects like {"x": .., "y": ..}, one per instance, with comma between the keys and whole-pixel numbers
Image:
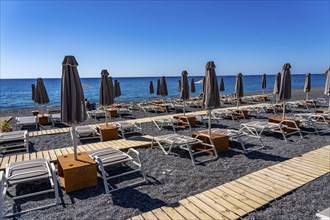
[
  {"x": 2, "y": 192},
  {"x": 137, "y": 153}
]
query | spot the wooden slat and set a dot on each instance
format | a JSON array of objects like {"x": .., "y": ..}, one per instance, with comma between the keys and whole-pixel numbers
[
  {"x": 271, "y": 182},
  {"x": 235, "y": 205},
  {"x": 244, "y": 199},
  {"x": 259, "y": 187},
  {"x": 160, "y": 214},
  {"x": 4, "y": 162},
  {"x": 290, "y": 173},
  {"x": 149, "y": 215},
  {"x": 277, "y": 180},
  {"x": 226, "y": 209},
  {"x": 307, "y": 166},
  {"x": 40, "y": 155},
  {"x": 246, "y": 194},
  {"x": 45, "y": 154},
  {"x": 171, "y": 213},
  {"x": 138, "y": 217},
  {"x": 52, "y": 155},
  {"x": 69, "y": 150},
  {"x": 64, "y": 151},
  {"x": 58, "y": 152},
  {"x": 19, "y": 157},
  {"x": 33, "y": 156},
  {"x": 253, "y": 191},
  {"x": 299, "y": 170},
  {"x": 283, "y": 176},
  {"x": 313, "y": 164},
  {"x": 194, "y": 209},
  {"x": 208, "y": 208},
  {"x": 26, "y": 156},
  {"x": 184, "y": 212},
  {"x": 316, "y": 161}
]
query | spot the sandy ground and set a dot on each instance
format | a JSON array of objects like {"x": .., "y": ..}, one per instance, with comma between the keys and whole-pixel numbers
[{"x": 173, "y": 177}]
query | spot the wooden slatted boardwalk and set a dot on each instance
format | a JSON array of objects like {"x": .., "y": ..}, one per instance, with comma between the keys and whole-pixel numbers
[
  {"x": 140, "y": 120},
  {"x": 238, "y": 198},
  {"x": 138, "y": 142}
]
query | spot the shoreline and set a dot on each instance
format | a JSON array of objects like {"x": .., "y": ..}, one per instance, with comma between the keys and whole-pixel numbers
[{"x": 318, "y": 90}]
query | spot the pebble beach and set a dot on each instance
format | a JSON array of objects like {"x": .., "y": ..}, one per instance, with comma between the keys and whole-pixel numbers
[{"x": 173, "y": 177}]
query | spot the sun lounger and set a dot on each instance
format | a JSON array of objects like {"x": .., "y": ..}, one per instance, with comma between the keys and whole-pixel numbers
[
  {"x": 110, "y": 157},
  {"x": 312, "y": 120},
  {"x": 148, "y": 107},
  {"x": 177, "y": 107},
  {"x": 205, "y": 118},
  {"x": 242, "y": 137},
  {"x": 170, "y": 122},
  {"x": 98, "y": 113},
  {"x": 55, "y": 118},
  {"x": 27, "y": 121},
  {"x": 324, "y": 215},
  {"x": 185, "y": 143},
  {"x": 13, "y": 141},
  {"x": 228, "y": 113},
  {"x": 28, "y": 171},
  {"x": 257, "y": 128},
  {"x": 87, "y": 132},
  {"x": 124, "y": 111},
  {"x": 320, "y": 102},
  {"x": 128, "y": 128}
]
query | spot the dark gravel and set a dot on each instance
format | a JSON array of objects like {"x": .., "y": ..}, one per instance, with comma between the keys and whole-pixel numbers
[{"x": 173, "y": 177}]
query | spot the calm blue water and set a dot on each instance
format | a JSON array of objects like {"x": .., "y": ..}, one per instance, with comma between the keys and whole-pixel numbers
[{"x": 16, "y": 93}]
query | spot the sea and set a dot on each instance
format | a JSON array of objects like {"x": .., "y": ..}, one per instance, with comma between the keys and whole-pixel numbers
[{"x": 17, "y": 93}]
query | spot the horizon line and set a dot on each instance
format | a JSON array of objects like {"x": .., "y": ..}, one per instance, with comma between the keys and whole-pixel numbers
[{"x": 91, "y": 77}]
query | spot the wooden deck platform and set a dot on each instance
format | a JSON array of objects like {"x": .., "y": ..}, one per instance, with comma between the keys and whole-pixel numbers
[
  {"x": 238, "y": 198},
  {"x": 138, "y": 142}
]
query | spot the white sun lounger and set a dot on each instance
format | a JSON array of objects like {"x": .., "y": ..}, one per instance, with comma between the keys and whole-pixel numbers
[
  {"x": 169, "y": 122},
  {"x": 87, "y": 132},
  {"x": 27, "y": 121},
  {"x": 324, "y": 215},
  {"x": 205, "y": 119},
  {"x": 257, "y": 128},
  {"x": 28, "y": 171},
  {"x": 128, "y": 128},
  {"x": 13, "y": 141},
  {"x": 242, "y": 137},
  {"x": 110, "y": 157},
  {"x": 55, "y": 118},
  {"x": 124, "y": 111},
  {"x": 312, "y": 120},
  {"x": 228, "y": 113},
  {"x": 185, "y": 143}
]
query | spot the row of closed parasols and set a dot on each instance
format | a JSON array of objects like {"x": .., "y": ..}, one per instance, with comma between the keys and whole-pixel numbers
[
  {"x": 73, "y": 109},
  {"x": 161, "y": 89}
]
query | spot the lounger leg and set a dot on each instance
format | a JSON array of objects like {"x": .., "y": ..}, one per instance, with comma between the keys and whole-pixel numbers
[
  {"x": 57, "y": 197},
  {"x": 139, "y": 163},
  {"x": 242, "y": 144},
  {"x": 104, "y": 176},
  {"x": 191, "y": 154}
]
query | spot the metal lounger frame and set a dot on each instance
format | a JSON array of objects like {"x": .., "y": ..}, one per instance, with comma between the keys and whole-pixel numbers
[
  {"x": 4, "y": 186},
  {"x": 11, "y": 145},
  {"x": 160, "y": 123},
  {"x": 136, "y": 128},
  {"x": 256, "y": 130},
  {"x": 182, "y": 142},
  {"x": 106, "y": 176},
  {"x": 235, "y": 135}
]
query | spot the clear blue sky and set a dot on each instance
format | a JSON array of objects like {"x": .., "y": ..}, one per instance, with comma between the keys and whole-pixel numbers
[{"x": 148, "y": 38}]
